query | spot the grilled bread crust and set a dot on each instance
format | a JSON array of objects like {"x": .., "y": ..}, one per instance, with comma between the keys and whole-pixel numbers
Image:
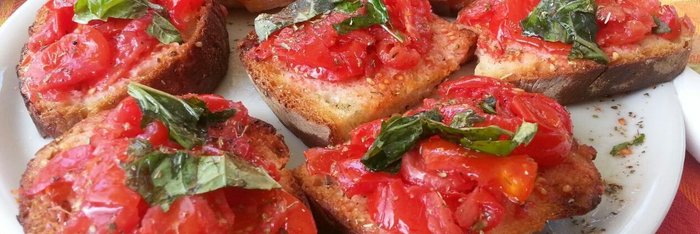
[
  {"x": 321, "y": 112},
  {"x": 39, "y": 214},
  {"x": 195, "y": 66},
  {"x": 652, "y": 61},
  {"x": 556, "y": 195}
]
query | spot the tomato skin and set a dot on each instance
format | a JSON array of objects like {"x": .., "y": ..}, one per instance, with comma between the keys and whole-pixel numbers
[
  {"x": 156, "y": 133},
  {"x": 191, "y": 214},
  {"x": 393, "y": 209},
  {"x": 74, "y": 58},
  {"x": 479, "y": 206},
  {"x": 279, "y": 209},
  {"x": 61, "y": 164},
  {"x": 182, "y": 12},
  {"x": 58, "y": 23},
  {"x": 668, "y": 15}
]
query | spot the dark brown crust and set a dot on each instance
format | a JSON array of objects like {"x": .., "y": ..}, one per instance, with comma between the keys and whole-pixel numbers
[
  {"x": 600, "y": 81},
  {"x": 305, "y": 105},
  {"x": 557, "y": 195},
  {"x": 39, "y": 214},
  {"x": 196, "y": 67}
]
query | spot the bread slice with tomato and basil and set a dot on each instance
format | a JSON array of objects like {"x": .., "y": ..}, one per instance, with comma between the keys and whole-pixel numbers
[
  {"x": 164, "y": 164},
  {"x": 81, "y": 55},
  {"x": 481, "y": 156},
  {"x": 326, "y": 67},
  {"x": 579, "y": 50}
]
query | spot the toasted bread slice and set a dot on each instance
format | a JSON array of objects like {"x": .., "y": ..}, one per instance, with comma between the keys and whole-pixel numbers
[
  {"x": 195, "y": 66},
  {"x": 321, "y": 112},
  {"x": 255, "y": 5},
  {"x": 556, "y": 195},
  {"x": 631, "y": 67},
  {"x": 654, "y": 60},
  {"x": 39, "y": 214}
]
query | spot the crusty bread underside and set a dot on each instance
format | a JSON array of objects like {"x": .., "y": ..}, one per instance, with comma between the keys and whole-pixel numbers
[
  {"x": 195, "y": 66},
  {"x": 557, "y": 194},
  {"x": 650, "y": 62},
  {"x": 39, "y": 214},
  {"x": 321, "y": 112}
]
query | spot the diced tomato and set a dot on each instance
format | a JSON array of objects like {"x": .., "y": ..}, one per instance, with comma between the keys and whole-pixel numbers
[
  {"x": 132, "y": 44},
  {"x": 668, "y": 15},
  {"x": 440, "y": 219},
  {"x": 554, "y": 129},
  {"x": 355, "y": 178},
  {"x": 124, "y": 120},
  {"x": 479, "y": 211},
  {"x": 73, "y": 59},
  {"x": 58, "y": 23},
  {"x": 444, "y": 178},
  {"x": 316, "y": 49},
  {"x": 62, "y": 164},
  {"x": 156, "y": 133},
  {"x": 363, "y": 136},
  {"x": 190, "y": 214},
  {"x": 269, "y": 211},
  {"x": 182, "y": 12},
  {"x": 216, "y": 103},
  {"x": 395, "y": 210}
]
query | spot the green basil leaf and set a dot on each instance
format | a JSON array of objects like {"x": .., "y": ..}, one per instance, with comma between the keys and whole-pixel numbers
[
  {"x": 617, "y": 149},
  {"x": 163, "y": 30},
  {"x": 296, "y": 12},
  {"x": 376, "y": 14},
  {"x": 187, "y": 120},
  {"x": 466, "y": 119},
  {"x": 661, "y": 26},
  {"x": 488, "y": 104},
  {"x": 87, "y": 10},
  {"x": 349, "y": 6},
  {"x": 568, "y": 21},
  {"x": 161, "y": 177},
  {"x": 399, "y": 134},
  {"x": 526, "y": 131}
]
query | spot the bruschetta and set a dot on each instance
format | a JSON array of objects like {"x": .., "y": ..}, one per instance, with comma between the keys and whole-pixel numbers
[
  {"x": 481, "y": 156},
  {"x": 579, "y": 50},
  {"x": 164, "y": 164},
  {"x": 81, "y": 54},
  {"x": 324, "y": 69}
]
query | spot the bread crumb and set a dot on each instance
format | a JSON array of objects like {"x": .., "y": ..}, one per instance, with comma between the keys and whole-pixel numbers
[{"x": 198, "y": 44}]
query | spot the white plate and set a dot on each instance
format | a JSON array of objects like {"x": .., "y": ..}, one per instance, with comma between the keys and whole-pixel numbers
[{"x": 649, "y": 185}]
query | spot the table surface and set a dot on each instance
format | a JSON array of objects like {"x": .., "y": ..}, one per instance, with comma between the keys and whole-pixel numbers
[{"x": 685, "y": 210}]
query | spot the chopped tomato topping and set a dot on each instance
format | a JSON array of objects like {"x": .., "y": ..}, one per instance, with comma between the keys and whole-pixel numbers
[
  {"x": 316, "y": 49},
  {"x": 620, "y": 22},
  {"x": 88, "y": 181},
  {"x": 70, "y": 60},
  {"x": 442, "y": 187}
]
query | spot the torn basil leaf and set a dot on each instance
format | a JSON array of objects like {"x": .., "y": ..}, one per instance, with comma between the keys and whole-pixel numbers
[
  {"x": 526, "y": 131},
  {"x": 488, "y": 104},
  {"x": 296, "y": 12},
  {"x": 661, "y": 26},
  {"x": 161, "y": 29},
  {"x": 87, "y": 10},
  {"x": 348, "y": 6},
  {"x": 619, "y": 148},
  {"x": 161, "y": 177},
  {"x": 375, "y": 14},
  {"x": 187, "y": 120},
  {"x": 399, "y": 134},
  {"x": 466, "y": 119},
  {"x": 568, "y": 21}
]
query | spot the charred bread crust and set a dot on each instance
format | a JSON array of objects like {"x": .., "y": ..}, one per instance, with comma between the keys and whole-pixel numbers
[
  {"x": 321, "y": 112},
  {"x": 556, "y": 195},
  {"x": 39, "y": 214},
  {"x": 651, "y": 61},
  {"x": 196, "y": 66},
  {"x": 601, "y": 81}
]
